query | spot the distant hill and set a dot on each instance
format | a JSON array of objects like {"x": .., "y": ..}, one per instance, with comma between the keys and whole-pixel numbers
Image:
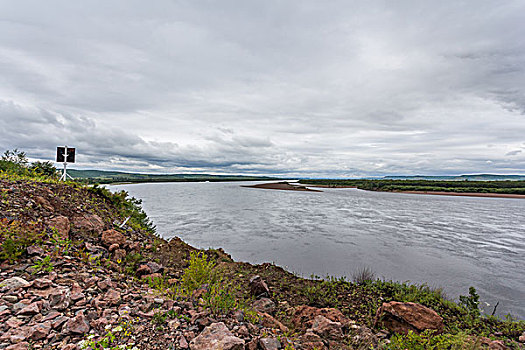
[
  {"x": 475, "y": 177},
  {"x": 103, "y": 177}
]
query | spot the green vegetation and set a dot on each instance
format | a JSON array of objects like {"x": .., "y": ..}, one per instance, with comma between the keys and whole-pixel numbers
[
  {"x": 128, "y": 207},
  {"x": 15, "y": 237},
  {"x": 199, "y": 272},
  {"x": 429, "y": 341},
  {"x": 15, "y": 163},
  {"x": 500, "y": 187}
]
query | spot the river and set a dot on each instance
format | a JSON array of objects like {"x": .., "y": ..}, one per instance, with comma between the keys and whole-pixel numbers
[{"x": 443, "y": 241}]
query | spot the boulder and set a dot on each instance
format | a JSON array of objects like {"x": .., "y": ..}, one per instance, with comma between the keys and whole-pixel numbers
[
  {"x": 258, "y": 287},
  {"x": 35, "y": 250},
  {"x": 264, "y": 305},
  {"x": 14, "y": 282},
  {"x": 270, "y": 322},
  {"x": 401, "y": 317},
  {"x": 40, "y": 331},
  {"x": 326, "y": 328},
  {"x": 269, "y": 344},
  {"x": 155, "y": 267},
  {"x": 143, "y": 270},
  {"x": 88, "y": 223},
  {"x": 111, "y": 237},
  {"x": 304, "y": 316},
  {"x": 77, "y": 324},
  {"x": 41, "y": 283},
  {"x": 311, "y": 341},
  {"x": 44, "y": 203},
  {"x": 61, "y": 224},
  {"x": 216, "y": 337}
]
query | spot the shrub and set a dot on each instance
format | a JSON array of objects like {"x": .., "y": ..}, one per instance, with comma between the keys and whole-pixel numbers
[
  {"x": 200, "y": 271},
  {"x": 220, "y": 298}
]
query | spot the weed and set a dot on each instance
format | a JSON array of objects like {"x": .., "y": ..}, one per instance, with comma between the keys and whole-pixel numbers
[
  {"x": 220, "y": 298},
  {"x": 15, "y": 237},
  {"x": 43, "y": 265},
  {"x": 363, "y": 275},
  {"x": 200, "y": 271},
  {"x": 427, "y": 340}
]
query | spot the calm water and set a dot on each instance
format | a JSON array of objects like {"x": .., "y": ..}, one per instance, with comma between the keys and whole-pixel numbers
[{"x": 450, "y": 242}]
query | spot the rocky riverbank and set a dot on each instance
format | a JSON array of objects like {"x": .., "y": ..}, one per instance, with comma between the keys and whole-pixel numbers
[{"x": 75, "y": 274}]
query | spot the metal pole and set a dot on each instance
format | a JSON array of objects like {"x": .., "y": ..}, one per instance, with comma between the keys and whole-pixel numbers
[{"x": 64, "y": 174}]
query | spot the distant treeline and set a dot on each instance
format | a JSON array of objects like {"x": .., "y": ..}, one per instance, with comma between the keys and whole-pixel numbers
[
  {"x": 504, "y": 187},
  {"x": 106, "y": 177}
]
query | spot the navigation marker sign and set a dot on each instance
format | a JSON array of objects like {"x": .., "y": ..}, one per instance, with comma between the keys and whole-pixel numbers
[{"x": 65, "y": 155}]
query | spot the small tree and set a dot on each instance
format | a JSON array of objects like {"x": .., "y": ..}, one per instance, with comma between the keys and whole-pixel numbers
[
  {"x": 14, "y": 162},
  {"x": 16, "y": 157}
]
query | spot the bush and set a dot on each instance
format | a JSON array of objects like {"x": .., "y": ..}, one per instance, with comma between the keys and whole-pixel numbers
[{"x": 200, "y": 271}]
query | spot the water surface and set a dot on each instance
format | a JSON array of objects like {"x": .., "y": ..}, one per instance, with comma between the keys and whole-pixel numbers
[{"x": 445, "y": 241}]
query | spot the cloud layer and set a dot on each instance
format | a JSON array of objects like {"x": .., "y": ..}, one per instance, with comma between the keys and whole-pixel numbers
[{"x": 306, "y": 88}]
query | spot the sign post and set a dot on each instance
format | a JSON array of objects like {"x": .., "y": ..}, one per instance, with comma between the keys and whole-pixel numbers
[{"x": 65, "y": 155}]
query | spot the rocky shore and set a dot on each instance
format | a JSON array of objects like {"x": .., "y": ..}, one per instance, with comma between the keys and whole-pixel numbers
[{"x": 74, "y": 274}]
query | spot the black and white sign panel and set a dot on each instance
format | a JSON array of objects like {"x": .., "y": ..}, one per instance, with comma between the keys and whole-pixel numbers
[{"x": 70, "y": 155}]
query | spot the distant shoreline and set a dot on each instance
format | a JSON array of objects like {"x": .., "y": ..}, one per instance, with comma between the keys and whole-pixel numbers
[
  {"x": 282, "y": 186},
  {"x": 463, "y": 194}
]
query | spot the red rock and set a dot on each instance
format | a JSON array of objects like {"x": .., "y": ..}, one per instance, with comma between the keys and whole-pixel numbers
[
  {"x": 311, "y": 341},
  {"x": 183, "y": 344},
  {"x": 113, "y": 247},
  {"x": 88, "y": 223},
  {"x": 40, "y": 331},
  {"x": 119, "y": 255},
  {"x": 77, "y": 324},
  {"x": 269, "y": 322},
  {"x": 216, "y": 337},
  {"x": 59, "y": 321},
  {"x": 404, "y": 317},
  {"x": 60, "y": 298},
  {"x": 14, "y": 283},
  {"x": 326, "y": 328},
  {"x": 110, "y": 237},
  {"x": 112, "y": 297},
  {"x": 258, "y": 287},
  {"x": 30, "y": 309},
  {"x": 20, "y": 346},
  {"x": 104, "y": 284},
  {"x": 143, "y": 270},
  {"x": 264, "y": 305},
  {"x": 41, "y": 283},
  {"x": 35, "y": 250},
  {"x": 14, "y": 322},
  {"x": 52, "y": 315},
  {"x": 304, "y": 316},
  {"x": 44, "y": 203},
  {"x": 62, "y": 225},
  {"x": 269, "y": 344}
]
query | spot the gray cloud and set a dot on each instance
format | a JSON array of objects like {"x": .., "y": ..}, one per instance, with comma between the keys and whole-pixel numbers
[{"x": 293, "y": 88}]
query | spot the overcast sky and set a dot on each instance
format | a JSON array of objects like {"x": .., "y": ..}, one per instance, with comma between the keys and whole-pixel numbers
[{"x": 295, "y": 88}]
